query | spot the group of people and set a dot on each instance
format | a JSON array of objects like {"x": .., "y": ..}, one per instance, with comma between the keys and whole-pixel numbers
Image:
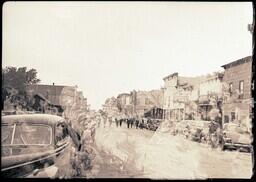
[
  {"x": 136, "y": 122},
  {"x": 131, "y": 122}
]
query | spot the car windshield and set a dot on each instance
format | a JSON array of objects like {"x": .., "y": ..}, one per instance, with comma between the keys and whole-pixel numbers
[{"x": 27, "y": 134}]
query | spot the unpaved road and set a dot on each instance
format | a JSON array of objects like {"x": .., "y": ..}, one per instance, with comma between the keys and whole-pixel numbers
[{"x": 145, "y": 154}]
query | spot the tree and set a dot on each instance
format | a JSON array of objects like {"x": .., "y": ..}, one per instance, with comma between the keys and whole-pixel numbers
[
  {"x": 14, "y": 81},
  {"x": 18, "y": 78}
]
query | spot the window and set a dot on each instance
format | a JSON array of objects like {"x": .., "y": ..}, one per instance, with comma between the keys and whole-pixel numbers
[
  {"x": 241, "y": 87},
  {"x": 231, "y": 88},
  {"x": 233, "y": 116},
  {"x": 61, "y": 132},
  {"x": 32, "y": 134}
]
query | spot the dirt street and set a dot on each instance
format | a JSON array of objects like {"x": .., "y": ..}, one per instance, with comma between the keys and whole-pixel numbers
[{"x": 145, "y": 154}]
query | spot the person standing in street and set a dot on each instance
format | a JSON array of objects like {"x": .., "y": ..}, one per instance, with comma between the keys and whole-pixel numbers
[
  {"x": 214, "y": 132},
  {"x": 120, "y": 122},
  {"x": 137, "y": 123},
  {"x": 116, "y": 122},
  {"x": 142, "y": 123},
  {"x": 132, "y": 121},
  {"x": 128, "y": 122}
]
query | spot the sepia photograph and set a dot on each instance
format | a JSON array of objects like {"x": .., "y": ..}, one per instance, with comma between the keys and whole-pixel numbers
[{"x": 146, "y": 89}]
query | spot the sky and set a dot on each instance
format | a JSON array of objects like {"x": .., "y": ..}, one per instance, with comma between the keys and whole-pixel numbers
[{"x": 107, "y": 48}]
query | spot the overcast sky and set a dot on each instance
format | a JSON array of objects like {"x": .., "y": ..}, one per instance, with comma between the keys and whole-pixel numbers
[{"x": 107, "y": 48}]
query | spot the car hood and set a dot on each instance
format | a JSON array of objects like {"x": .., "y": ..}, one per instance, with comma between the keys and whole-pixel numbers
[
  {"x": 16, "y": 155},
  {"x": 239, "y": 138},
  {"x": 21, "y": 150}
]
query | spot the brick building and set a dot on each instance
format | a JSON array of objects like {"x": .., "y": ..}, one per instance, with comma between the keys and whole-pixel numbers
[
  {"x": 57, "y": 96},
  {"x": 237, "y": 103}
]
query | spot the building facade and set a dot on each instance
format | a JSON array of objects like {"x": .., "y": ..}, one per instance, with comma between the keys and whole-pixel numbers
[
  {"x": 57, "y": 96},
  {"x": 210, "y": 93},
  {"x": 146, "y": 100},
  {"x": 125, "y": 104},
  {"x": 110, "y": 107},
  {"x": 170, "y": 87},
  {"x": 180, "y": 96},
  {"x": 237, "y": 100}
]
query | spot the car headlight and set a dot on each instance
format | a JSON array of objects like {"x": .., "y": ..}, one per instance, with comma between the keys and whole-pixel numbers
[{"x": 228, "y": 140}]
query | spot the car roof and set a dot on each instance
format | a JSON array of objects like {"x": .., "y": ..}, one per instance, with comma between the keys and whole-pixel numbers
[{"x": 32, "y": 118}]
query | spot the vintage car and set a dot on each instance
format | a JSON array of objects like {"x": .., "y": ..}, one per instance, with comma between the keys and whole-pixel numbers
[
  {"x": 236, "y": 136},
  {"x": 32, "y": 142},
  {"x": 14, "y": 112}
]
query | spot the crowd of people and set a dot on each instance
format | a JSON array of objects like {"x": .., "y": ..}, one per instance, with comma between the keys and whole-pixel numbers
[{"x": 130, "y": 122}]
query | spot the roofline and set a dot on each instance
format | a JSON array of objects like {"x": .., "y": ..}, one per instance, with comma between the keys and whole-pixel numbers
[
  {"x": 236, "y": 62},
  {"x": 32, "y": 118},
  {"x": 50, "y": 85},
  {"x": 122, "y": 94},
  {"x": 171, "y": 75}
]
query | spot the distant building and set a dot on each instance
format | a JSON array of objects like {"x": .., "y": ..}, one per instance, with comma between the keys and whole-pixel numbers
[
  {"x": 146, "y": 100},
  {"x": 124, "y": 104},
  {"x": 210, "y": 91},
  {"x": 137, "y": 103},
  {"x": 237, "y": 104},
  {"x": 110, "y": 107},
  {"x": 56, "y": 96},
  {"x": 179, "y": 95}
]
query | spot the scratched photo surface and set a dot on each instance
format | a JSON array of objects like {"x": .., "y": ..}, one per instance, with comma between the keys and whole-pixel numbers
[{"x": 156, "y": 90}]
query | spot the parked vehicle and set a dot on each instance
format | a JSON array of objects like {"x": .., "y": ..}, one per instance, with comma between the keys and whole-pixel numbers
[
  {"x": 14, "y": 112},
  {"x": 33, "y": 142},
  {"x": 236, "y": 136}
]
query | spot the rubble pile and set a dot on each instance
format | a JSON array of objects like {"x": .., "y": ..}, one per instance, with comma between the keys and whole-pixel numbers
[{"x": 172, "y": 157}]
